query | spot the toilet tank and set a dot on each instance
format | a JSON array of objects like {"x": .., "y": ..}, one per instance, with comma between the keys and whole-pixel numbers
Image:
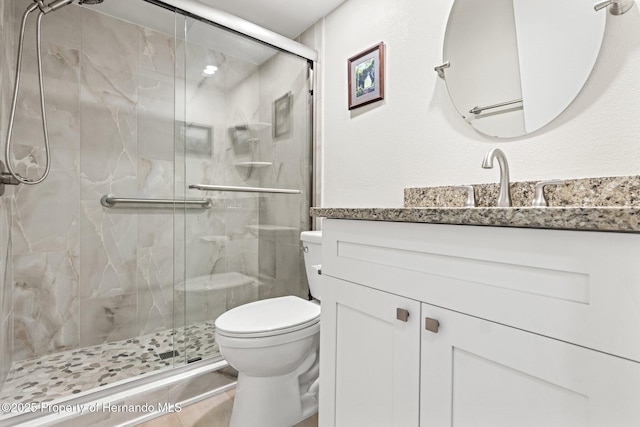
[{"x": 312, "y": 247}]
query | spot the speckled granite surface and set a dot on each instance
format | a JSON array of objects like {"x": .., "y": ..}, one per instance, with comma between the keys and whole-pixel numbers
[
  {"x": 608, "y": 191},
  {"x": 592, "y": 204},
  {"x": 566, "y": 218}
]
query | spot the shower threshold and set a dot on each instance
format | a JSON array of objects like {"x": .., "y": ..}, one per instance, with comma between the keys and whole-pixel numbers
[{"x": 55, "y": 376}]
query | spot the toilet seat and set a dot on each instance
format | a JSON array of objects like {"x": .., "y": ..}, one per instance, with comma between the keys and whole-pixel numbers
[{"x": 267, "y": 318}]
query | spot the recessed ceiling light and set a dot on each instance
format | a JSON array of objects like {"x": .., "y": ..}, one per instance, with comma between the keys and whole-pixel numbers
[{"x": 210, "y": 70}]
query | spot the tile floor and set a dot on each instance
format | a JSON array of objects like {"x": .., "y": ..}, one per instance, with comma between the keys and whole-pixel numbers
[
  {"x": 212, "y": 412},
  {"x": 70, "y": 372},
  {"x": 62, "y": 374}
]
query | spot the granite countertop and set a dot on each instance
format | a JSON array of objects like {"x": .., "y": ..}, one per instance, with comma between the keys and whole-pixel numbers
[
  {"x": 593, "y": 204},
  {"x": 591, "y": 218}
]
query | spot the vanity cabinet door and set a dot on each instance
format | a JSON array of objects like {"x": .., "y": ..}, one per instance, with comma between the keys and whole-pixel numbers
[
  {"x": 479, "y": 373},
  {"x": 369, "y": 357}
]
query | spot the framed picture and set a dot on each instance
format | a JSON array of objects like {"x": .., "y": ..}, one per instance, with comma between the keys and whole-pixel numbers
[
  {"x": 282, "y": 115},
  {"x": 366, "y": 76},
  {"x": 198, "y": 139}
]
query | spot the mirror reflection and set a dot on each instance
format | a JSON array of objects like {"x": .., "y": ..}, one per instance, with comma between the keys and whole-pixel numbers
[{"x": 515, "y": 65}]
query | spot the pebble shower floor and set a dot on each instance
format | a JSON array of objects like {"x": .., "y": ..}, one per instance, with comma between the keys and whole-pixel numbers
[{"x": 58, "y": 375}]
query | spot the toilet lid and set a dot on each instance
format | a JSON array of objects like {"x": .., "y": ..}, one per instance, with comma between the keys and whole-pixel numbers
[{"x": 268, "y": 317}]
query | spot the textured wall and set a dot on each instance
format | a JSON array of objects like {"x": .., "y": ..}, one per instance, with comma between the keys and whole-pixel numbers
[{"x": 415, "y": 137}]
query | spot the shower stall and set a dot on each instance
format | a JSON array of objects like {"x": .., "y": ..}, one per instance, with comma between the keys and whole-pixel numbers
[{"x": 180, "y": 179}]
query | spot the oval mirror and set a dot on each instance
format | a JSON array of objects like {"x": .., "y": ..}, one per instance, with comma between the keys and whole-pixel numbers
[{"x": 515, "y": 65}]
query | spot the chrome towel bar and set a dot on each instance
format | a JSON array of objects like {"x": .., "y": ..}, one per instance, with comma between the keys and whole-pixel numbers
[
  {"x": 478, "y": 109},
  {"x": 232, "y": 188},
  {"x": 109, "y": 201}
]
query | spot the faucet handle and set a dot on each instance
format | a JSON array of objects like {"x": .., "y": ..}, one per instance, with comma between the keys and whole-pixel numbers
[
  {"x": 471, "y": 195},
  {"x": 539, "y": 200}
]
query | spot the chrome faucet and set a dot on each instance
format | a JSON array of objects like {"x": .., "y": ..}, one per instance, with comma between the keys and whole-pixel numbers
[{"x": 504, "y": 198}]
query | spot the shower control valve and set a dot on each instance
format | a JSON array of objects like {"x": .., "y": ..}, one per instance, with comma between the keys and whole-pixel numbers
[{"x": 6, "y": 178}]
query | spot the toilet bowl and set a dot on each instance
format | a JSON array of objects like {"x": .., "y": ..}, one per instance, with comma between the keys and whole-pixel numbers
[{"x": 274, "y": 346}]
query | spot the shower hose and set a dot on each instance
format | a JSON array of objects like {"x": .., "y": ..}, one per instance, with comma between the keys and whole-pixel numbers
[{"x": 7, "y": 152}]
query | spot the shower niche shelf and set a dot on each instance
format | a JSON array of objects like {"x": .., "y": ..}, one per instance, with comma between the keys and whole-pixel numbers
[
  {"x": 256, "y": 126},
  {"x": 215, "y": 239},
  {"x": 269, "y": 227},
  {"x": 258, "y": 165},
  {"x": 271, "y": 230},
  {"x": 247, "y": 133},
  {"x": 244, "y": 142}
]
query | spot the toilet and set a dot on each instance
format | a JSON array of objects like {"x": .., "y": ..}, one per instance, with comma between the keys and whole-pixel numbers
[{"x": 274, "y": 346}]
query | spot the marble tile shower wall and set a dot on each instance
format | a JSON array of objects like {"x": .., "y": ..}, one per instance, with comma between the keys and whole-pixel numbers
[
  {"x": 6, "y": 73},
  {"x": 84, "y": 274},
  {"x": 216, "y": 240},
  {"x": 280, "y": 253},
  {"x": 279, "y": 218}
]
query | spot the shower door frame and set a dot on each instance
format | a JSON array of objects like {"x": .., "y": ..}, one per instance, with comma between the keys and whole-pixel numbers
[{"x": 197, "y": 10}]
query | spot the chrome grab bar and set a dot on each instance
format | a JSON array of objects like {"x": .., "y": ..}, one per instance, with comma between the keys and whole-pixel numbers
[
  {"x": 109, "y": 201},
  {"x": 206, "y": 187},
  {"x": 478, "y": 109}
]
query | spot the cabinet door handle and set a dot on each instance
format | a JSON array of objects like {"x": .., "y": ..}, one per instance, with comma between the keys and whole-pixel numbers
[
  {"x": 431, "y": 325},
  {"x": 402, "y": 314}
]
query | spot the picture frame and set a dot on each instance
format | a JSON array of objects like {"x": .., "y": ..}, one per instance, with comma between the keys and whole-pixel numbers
[
  {"x": 282, "y": 115},
  {"x": 198, "y": 139},
  {"x": 366, "y": 76}
]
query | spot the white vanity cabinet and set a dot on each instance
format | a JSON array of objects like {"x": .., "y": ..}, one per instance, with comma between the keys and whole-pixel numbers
[
  {"x": 479, "y": 373},
  {"x": 375, "y": 340},
  {"x": 534, "y": 327}
]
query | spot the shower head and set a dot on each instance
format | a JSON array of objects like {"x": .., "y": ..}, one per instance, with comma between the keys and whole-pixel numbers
[
  {"x": 57, "y": 4},
  {"x": 53, "y": 6}
]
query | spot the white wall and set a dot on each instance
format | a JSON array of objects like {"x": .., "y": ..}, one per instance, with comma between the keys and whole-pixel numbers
[{"x": 415, "y": 137}]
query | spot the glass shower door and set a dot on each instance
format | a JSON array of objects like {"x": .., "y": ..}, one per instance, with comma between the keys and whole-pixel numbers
[{"x": 243, "y": 141}]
